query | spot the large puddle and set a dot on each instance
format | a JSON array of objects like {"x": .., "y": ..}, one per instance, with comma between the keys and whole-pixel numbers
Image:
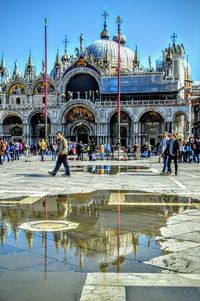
[
  {"x": 103, "y": 231},
  {"x": 107, "y": 169},
  {"x": 116, "y": 169}
]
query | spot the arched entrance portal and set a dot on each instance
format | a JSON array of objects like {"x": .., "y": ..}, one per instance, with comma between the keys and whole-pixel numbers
[
  {"x": 13, "y": 127},
  {"x": 125, "y": 128},
  {"x": 82, "y": 134},
  {"x": 37, "y": 127},
  {"x": 151, "y": 126},
  {"x": 80, "y": 124}
]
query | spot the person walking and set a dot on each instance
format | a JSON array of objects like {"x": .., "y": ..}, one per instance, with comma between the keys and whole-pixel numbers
[
  {"x": 26, "y": 149},
  {"x": 16, "y": 153},
  {"x": 79, "y": 150},
  {"x": 62, "y": 151},
  {"x": 7, "y": 152},
  {"x": 1, "y": 150},
  {"x": 43, "y": 148},
  {"x": 173, "y": 149},
  {"x": 102, "y": 151},
  {"x": 53, "y": 151},
  {"x": 163, "y": 153}
]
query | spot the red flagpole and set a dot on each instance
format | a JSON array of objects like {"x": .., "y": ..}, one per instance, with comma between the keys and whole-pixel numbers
[
  {"x": 119, "y": 102},
  {"x": 46, "y": 84}
]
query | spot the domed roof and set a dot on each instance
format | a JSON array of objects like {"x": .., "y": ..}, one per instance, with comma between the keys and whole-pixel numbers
[
  {"x": 187, "y": 70},
  {"x": 122, "y": 39},
  {"x": 101, "y": 48}
]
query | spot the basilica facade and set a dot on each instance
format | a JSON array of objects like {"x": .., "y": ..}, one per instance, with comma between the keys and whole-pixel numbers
[{"x": 83, "y": 95}]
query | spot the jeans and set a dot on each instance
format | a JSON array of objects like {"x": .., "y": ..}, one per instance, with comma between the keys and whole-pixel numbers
[
  {"x": 165, "y": 164},
  {"x": 53, "y": 155},
  {"x": 61, "y": 159},
  {"x": 6, "y": 154},
  {"x": 42, "y": 153},
  {"x": 102, "y": 156},
  {"x": 17, "y": 154},
  {"x": 175, "y": 163}
]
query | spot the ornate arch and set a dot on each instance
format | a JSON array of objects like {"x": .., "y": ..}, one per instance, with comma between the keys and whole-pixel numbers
[
  {"x": 74, "y": 103},
  {"x": 82, "y": 70},
  {"x": 139, "y": 115},
  {"x": 39, "y": 86},
  {"x": 17, "y": 88},
  {"x": 34, "y": 112},
  {"x": 182, "y": 113},
  {"x": 84, "y": 123},
  {"x": 9, "y": 114},
  {"x": 115, "y": 111}
]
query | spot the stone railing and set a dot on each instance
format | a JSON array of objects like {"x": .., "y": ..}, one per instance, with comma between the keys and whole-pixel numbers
[{"x": 141, "y": 103}]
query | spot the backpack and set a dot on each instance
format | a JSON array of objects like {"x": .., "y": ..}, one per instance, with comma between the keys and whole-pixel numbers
[
  {"x": 3, "y": 147},
  {"x": 12, "y": 148}
]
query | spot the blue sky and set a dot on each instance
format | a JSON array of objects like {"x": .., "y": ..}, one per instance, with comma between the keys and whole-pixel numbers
[{"x": 147, "y": 23}]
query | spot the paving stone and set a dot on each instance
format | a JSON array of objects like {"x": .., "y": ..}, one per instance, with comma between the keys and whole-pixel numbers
[
  {"x": 178, "y": 262},
  {"x": 175, "y": 245},
  {"x": 181, "y": 228},
  {"x": 103, "y": 293},
  {"x": 141, "y": 279},
  {"x": 193, "y": 236},
  {"x": 163, "y": 293},
  {"x": 192, "y": 252},
  {"x": 180, "y": 218}
]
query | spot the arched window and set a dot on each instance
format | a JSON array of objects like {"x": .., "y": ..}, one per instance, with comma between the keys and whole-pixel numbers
[
  {"x": 83, "y": 84},
  {"x": 18, "y": 100}
]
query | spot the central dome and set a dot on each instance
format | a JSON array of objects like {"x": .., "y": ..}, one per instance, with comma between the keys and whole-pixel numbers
[{"x": 104, "y": 47}]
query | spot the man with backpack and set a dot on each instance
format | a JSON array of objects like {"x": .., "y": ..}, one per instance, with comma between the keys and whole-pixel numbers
[{"x": 62, "y": 151}]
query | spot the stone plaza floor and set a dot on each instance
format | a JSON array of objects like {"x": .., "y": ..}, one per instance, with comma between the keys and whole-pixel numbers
[{"x": 37, "y": 271}]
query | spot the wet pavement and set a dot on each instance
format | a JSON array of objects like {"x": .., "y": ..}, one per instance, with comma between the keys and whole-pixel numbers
[{"x": 109, "y": 232}]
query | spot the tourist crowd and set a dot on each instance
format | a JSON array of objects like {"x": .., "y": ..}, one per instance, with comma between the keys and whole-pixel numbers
[{"x": 184, "y": 150}]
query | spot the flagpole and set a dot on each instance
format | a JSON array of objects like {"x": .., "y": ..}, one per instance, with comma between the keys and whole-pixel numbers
[
  {"x": 119, "y": 95},
  {"x": 46, "y": 85}
]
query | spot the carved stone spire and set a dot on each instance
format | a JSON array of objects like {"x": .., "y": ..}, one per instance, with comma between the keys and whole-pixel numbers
[
  {"x": 30, "y": 60},
  {"x": 57, "y": 67},
  {"x": 16, "y": 73},
  {"x": 57, "y": 62},
  {"x": 136, "y": 62},
  {"x": 29, "y": 73},
  {"x": 3, "y": 63}
]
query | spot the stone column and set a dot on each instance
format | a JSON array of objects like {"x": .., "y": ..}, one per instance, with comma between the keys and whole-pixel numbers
[
  {"x": 93, "y": 95},
  {"x": 1, "y": 129},
  {"x": 136, "y": 130}
]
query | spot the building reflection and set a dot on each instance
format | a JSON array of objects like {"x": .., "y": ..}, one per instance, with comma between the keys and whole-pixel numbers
[{"x": 110, "y": 227}]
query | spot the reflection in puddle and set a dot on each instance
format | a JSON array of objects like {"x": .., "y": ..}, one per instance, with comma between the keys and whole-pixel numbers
[
  {"x": 115, "y": 169},
  {"x": 116, "y": 231}
]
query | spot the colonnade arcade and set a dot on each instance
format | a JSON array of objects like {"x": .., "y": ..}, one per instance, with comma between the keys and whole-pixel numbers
[{"x": 82, "y": 123}]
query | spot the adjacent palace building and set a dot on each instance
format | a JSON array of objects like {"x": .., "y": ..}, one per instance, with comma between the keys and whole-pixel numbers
[{"x": 82, "y": 95}]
